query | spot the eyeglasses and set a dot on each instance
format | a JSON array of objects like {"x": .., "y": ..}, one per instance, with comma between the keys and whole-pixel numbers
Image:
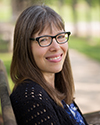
[{"x": 46, "y": 40}]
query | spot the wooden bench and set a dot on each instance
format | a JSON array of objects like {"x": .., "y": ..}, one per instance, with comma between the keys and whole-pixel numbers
[
  {"x": 93, "y": 118},
  {"x": 7, "y": 111}
]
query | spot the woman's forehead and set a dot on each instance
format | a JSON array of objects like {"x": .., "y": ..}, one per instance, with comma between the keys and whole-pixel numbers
[{"x": 50, "y": 28}]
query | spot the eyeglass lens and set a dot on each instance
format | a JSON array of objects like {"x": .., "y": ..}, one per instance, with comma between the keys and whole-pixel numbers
[{"x": 60, "y": 38}]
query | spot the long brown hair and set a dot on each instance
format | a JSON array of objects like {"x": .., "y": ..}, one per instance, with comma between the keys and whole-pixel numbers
[{"x": 32, "y": 20}]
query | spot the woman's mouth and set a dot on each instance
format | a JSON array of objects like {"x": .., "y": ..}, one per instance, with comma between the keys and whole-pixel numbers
[{"x": 55, "y": 58}]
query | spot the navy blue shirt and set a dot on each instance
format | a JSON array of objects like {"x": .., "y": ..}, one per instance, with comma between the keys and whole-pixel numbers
[{"x": 73, "y": 113}]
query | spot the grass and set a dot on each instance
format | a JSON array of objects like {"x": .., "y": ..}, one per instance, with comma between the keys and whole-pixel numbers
[{"x": 91, "y": 48}]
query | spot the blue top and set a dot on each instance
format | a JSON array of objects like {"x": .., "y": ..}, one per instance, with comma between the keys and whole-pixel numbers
[{"x": 73, "y": 113}]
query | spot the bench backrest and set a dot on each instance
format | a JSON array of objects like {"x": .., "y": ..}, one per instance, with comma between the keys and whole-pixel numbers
[{"x": 7, "y": 111}]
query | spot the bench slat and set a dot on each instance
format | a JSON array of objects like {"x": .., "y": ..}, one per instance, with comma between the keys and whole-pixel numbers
[
  {"x": 7, "y": 111},
  {"x": 93, "y": 118}
]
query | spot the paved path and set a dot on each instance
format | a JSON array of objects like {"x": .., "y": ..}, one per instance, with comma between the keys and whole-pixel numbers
[{"x": 86, "y": 74}]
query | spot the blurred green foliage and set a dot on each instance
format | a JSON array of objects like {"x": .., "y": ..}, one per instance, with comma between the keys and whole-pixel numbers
[
  {"x": 69, "y": 2},
  {"x": 67, "y": 13},
  {"x": 3, "y": 45},
  {"x": 65, "y": 9},
  {"x": 5, "y": 10},
  {"x": 91, "y": 48}
]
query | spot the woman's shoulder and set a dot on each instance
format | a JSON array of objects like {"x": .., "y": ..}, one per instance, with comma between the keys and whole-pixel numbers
[
  {"x": 29, "y": 89},
  {"x": 31, "y": 104}
]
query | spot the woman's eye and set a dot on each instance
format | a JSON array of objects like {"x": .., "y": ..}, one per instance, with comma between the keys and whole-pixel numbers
[
  {"x": 43, "y": 40},
  {"x": 61, "y": 36}
]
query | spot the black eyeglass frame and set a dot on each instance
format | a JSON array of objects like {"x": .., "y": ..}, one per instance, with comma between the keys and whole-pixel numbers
[{"x": 37, "y": 38}]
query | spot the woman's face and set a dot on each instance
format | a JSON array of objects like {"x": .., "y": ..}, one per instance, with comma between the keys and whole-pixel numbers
[{"x": 49, "y": 59}]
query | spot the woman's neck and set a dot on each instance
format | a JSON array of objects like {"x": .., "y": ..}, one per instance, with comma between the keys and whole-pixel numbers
[{"x": 50, "y": 78}]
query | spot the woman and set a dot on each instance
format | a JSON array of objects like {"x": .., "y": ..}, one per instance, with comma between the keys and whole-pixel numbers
[{"x": 44, "y": 87}]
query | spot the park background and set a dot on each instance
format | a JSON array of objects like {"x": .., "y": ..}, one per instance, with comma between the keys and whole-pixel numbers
[{"x": 82, "y": 18}]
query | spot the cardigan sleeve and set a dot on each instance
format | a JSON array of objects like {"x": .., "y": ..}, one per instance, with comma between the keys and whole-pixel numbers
[{"x": 32, "y": 107}]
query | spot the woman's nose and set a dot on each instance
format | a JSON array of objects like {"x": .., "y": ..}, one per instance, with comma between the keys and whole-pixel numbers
[{"x": 54, "y": 46}]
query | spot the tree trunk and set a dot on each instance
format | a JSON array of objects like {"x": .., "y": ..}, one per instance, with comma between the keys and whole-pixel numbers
[
  {"x": 7, "y": 111},
  {"x": 19, "y": 5},
  {"x": 74, "y": 2}
]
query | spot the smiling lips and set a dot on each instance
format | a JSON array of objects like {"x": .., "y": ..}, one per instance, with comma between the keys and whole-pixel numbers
[{"x": 55, "y": 58}]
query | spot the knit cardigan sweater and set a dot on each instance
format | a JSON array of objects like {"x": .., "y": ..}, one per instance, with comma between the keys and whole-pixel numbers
[{"x": 33, "y": 106}]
